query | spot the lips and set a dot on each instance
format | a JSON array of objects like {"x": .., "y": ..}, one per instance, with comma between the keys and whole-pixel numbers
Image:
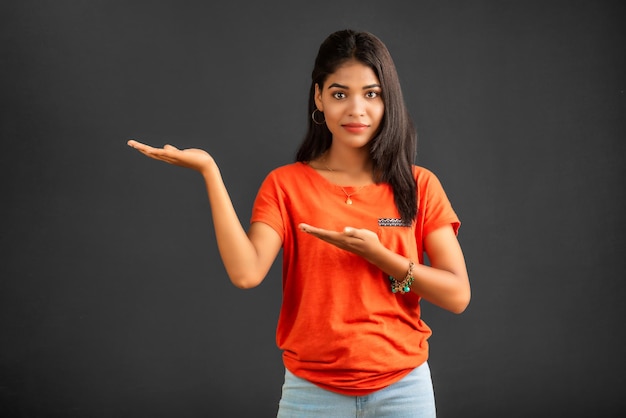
[{"x": 355, "y": 127}]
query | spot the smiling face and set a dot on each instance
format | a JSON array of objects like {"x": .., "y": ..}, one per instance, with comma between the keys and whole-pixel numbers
[{"x": 352, "y": 104}]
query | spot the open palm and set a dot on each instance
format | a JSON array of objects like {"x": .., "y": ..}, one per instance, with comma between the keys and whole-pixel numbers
[{"x": 193, "y": 158}]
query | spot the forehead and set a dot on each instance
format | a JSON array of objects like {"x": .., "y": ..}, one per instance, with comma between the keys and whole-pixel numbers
[{"x": 353, "y": 74}]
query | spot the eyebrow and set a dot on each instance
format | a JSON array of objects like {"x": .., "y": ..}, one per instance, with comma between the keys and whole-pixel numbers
[{"x": 370, "y": 86}]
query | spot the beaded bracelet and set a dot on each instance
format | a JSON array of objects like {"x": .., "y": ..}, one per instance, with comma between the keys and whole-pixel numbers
[{"x": 405, "y": 285}]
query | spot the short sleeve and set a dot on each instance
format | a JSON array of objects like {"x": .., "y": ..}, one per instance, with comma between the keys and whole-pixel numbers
[
  {"x": 436, "y": 210},
  {"x": 269, "y": 205}
]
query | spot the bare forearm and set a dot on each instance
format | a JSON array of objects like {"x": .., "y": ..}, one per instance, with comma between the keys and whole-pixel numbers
[
  {"x": 246, "y": 256},
  {"x": 236, "y": 250},
  {"x": 445, "y": 283},
  {"x": 440, "y": 287}
]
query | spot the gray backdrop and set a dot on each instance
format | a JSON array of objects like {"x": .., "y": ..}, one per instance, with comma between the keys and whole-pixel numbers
[{"x": 113, "y": 299}]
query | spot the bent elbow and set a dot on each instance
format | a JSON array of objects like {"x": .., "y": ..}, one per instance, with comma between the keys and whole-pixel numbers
[
  {"x": 245, "y": 285},
  {"x": 461, "y": 304},
  {"x": 459, "y": 309},
  {"x": 245, "y": 281}
]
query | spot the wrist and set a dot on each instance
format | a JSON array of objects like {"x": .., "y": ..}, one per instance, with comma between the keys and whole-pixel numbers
[
  {"x": 209, "y": 169},
  {"x": 403, "y": 285}
]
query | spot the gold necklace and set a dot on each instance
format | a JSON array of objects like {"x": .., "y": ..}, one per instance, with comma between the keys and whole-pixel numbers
[{"x": 348, "y": 195}]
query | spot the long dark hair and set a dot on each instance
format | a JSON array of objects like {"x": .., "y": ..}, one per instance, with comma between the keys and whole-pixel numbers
[{"x": 393, "y": 149}]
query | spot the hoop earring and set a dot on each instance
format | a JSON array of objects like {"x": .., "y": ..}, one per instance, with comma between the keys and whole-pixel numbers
[{"x": 314, "y": 120}]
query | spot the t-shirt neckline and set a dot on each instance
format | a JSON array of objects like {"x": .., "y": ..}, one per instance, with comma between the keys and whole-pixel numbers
[{"x": 330, "y": 185}]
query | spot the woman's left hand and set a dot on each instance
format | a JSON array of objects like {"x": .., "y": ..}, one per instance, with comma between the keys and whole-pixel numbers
[{"x": 361, "y": 242}]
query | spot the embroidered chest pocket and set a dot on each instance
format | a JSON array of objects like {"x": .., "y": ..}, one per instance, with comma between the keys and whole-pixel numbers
[{"x": 398, "y": 236}]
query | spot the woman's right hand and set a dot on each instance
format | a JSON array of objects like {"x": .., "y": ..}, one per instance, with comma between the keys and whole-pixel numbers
[{"x": 193, "y": 158}]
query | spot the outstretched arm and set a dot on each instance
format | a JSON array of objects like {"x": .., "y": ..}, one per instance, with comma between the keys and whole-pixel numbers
[
  {"x": 444, "y": 283},
  {"x": 247, "y": 256}
]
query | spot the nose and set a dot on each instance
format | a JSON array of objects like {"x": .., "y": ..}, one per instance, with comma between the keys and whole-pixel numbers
[{"x": 357, "y": 106}]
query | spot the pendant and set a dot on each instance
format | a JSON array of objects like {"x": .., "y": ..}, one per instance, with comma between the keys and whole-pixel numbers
[{"x": 348, "y": 201}]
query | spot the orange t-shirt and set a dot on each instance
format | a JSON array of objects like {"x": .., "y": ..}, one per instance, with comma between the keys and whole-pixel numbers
[{"x": 340, "y": 326}]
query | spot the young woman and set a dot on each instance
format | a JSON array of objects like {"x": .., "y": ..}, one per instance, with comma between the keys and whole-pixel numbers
[{"x": 354, "y": 217}]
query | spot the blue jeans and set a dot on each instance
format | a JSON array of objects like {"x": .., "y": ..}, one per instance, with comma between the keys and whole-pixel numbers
[{"x": 411, "y": 397}]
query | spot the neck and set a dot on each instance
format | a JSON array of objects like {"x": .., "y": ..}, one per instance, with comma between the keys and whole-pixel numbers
[
  {"x": 352, "y": 163},
  {"x": 347, "y": 168}
]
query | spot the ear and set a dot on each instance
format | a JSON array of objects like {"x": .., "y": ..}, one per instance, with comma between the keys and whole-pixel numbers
[{"x": 318, "y": 98}]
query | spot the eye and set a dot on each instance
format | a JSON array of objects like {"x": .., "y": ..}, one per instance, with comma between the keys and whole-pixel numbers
[
  {"x": 372, "y": 94},
  {"x": 339, "y": 95}
]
